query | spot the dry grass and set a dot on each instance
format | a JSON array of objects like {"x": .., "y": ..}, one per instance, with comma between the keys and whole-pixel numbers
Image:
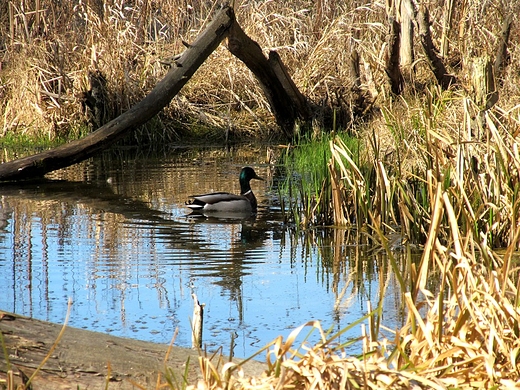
[
  {"x": 466, "y": 335},
  {"x": 49, "y": 49}
]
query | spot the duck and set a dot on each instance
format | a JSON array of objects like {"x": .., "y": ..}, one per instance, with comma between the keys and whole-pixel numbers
[{"x": 225, "y": 202}]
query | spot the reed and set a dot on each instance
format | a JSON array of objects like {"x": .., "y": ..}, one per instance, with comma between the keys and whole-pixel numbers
[
  {"x": 463, "y": 334},
  {"x": 386, "y": 181},
  {"x": 307, "y": 189}
]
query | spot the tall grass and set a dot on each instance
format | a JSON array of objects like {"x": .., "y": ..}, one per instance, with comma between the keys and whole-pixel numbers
[
  {"x": 389, "y": 185},
  {"x": 51, "y": 49},
  {"x": 306, "y": 191}
]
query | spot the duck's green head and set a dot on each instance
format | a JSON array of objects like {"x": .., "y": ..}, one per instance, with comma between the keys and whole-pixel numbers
[{"x": 246, "y": 175}]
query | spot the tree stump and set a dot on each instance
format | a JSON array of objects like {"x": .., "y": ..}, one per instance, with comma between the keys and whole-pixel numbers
[
  {"x": 485, "y": 94},
  {"x": 437, "y": 66}
]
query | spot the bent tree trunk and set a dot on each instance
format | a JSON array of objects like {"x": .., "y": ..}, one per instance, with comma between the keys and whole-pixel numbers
[
  {"x": 101, "y": 139},
  {"x": 286, "y": 101}
]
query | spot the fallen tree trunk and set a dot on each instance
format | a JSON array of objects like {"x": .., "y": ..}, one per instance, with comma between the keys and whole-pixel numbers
[
  {"x": 286, "y": 101},
  {"x": 101, "y": 139}
]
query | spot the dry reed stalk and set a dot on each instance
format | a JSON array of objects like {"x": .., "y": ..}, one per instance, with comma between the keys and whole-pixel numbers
[
  {"x": 339, "y": 197},
  {"x": 472, "y": 337},
  {"x": 323, "y": 366},
  {"x": 464, "y": 337}
]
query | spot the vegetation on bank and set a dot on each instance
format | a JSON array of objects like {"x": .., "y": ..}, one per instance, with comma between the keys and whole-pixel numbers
[
  {"x": 439, "y": 165},
  {"x": 389, "y": 184},
  {"x": 68, "y": 66}
]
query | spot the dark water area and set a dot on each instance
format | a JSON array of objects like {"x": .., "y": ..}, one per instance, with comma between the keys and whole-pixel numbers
[{"x": 114, "y": 235}]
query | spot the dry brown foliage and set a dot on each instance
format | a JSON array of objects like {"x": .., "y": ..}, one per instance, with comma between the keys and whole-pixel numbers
[
  {"x": 464, "y": 336},
  {"x": 49, "y": 49}
]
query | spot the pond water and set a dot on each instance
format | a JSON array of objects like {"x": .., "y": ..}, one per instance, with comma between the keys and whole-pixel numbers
[{"x": 113, "y": 234}]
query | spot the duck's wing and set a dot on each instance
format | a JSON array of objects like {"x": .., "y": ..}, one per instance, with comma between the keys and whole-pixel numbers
[{"x": 215, "y": 197}]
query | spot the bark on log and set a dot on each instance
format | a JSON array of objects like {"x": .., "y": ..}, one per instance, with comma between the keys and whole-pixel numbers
[
  {"x": 76, "y": 151},
  {"x": 355, "y": 70},
  {"x": 250, "y": 53},
  {"x": 298, "y": 100},
  {"x": 483, "y": 83},
  {"x": 406, "y": 54},
  {"x": 436, "y": 64}
]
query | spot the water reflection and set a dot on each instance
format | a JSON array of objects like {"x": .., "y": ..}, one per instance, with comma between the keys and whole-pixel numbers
[{"x": 114, "y": 235}]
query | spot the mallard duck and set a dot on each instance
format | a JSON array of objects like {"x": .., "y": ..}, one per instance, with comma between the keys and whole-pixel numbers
[{"x": 226, "y": 202}]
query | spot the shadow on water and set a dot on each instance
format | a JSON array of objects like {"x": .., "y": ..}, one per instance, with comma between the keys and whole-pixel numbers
[
  {"x": 175, "y": 234},
  {"x": 123, "y": 245},
  {"x": 98, "y": 198}
]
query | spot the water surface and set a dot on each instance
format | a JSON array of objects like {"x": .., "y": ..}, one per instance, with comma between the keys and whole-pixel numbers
[{"x": 113, "y": 234}]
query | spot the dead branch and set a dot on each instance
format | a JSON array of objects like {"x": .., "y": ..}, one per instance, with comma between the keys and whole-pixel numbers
[{"x": 502, "y": 45}]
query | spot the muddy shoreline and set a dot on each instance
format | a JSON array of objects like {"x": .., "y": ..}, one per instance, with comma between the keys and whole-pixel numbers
[{"x": 86, "y": 359}]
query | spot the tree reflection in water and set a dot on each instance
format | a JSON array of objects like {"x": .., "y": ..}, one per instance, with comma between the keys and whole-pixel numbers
[{"x": 113, "y": 234}]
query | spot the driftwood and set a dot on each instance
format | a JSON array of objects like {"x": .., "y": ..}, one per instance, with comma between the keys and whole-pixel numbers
[
  {"x": 437, "y": 66},
  {"x": 101, "y": 139}
]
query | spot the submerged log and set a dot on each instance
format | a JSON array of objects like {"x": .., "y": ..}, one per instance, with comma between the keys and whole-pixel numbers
[{"x": 73, "y": 152}]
